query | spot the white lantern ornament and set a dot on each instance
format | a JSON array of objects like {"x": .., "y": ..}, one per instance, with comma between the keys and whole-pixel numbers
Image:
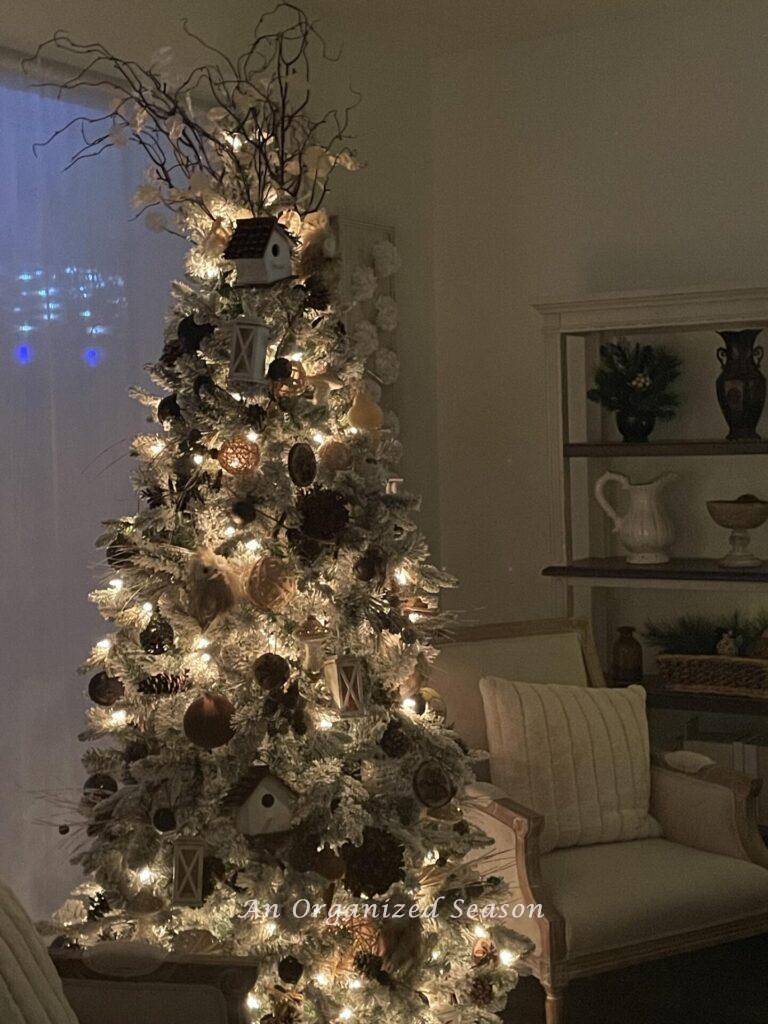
[
  {"x": 312, "y": 634},
  {"x": 345, "y": 678},
  {"x": 248, "y": 354},
  {"x": 188, "y": 863}
]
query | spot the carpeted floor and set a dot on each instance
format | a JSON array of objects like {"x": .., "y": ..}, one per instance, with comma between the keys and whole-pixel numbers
[{"x": 727, "y": 985}]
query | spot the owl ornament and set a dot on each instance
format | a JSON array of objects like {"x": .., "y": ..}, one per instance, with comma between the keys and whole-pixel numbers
[{"x": 212, "y": 587}]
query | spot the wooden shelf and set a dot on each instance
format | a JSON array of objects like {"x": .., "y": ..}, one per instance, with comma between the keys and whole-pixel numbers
[
  {"x": 677, "y": 569},
  {"x": 657, "y": 449},
  {"x": 716, "y": 703}
]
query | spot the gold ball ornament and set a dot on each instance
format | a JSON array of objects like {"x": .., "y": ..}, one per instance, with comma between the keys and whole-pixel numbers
[
  {"x": 239, "y": 457},
  {"x": 270, "y": 584},
  {"x": 364, "y": 413},
  {"x": 335, "y": 456}
]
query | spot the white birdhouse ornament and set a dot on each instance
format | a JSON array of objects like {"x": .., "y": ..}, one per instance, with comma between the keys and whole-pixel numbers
[
  {"x": 345, "y": 678},
  {"x": 261, "y": 250},
  {"x": 264, "y": 803},
  {"x": 248, "y": 354}
]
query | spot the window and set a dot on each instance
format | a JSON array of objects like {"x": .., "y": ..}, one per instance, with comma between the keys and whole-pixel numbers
[{"x": 83, "y": 291}]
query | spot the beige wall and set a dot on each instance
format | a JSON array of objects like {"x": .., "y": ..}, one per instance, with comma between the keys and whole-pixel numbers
[
  {"x": 630, "y": 154},
  {"x": 627, "y": 153}
]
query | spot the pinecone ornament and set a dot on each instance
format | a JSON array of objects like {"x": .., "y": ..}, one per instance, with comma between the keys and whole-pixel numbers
[
  {"x": 324, "y": 515},
  {"x": 98, "y": 906},
  {"x": 481, "y": 991},
  {"x": 370, "y": 965},
  {"x": 164, "y": 684}
]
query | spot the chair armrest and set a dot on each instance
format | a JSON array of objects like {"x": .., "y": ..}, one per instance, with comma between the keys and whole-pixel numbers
[
  {"x": 526, "y": 826},
  {"x": 714, "y": 809}
]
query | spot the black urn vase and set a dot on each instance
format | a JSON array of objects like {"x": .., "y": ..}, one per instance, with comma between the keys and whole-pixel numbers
[
  {"x": 634, "y": 426},
  {"x": 741, "y": 385}
]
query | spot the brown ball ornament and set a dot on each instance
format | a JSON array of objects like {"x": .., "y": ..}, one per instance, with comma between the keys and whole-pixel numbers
[
  {"x": 433, "y": 785},
  {"x": 271, "y": 671},
  {"x": 270, "y": 584},
  {"x": 302, "y": 464},
  {"x": 375, "y": 865},
  {"x": 104, "y": 689},
  {"x": 335, "y": 456},
  {"x": 239, "y": 457},
  {"x": 208, "y": 721}
]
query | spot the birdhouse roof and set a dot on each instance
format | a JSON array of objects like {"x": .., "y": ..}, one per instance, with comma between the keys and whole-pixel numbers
[
  {"x": 245, "y": 786},
  {"x": 251, "y": 238}
]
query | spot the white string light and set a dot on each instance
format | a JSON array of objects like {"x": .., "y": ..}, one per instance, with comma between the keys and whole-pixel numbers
[
  {"x": 481, "y": 933},
  {"x": 146, "y": 875},
  {"x": 507, "y": 957},
  {"x": 147, "y": 606},
  {"x": 253, "y": 544},
  {"x": 229, "y": 532},
  {"x": 104, "y": 645},
  {"x": 116, "y": 583},
  {"x": 119, "y": 717},
  {"x": 197, "y": 459},
  {"x": 318, "y": 437},
  {"x": 252, "y": 436},
  {"x": 325, "y": 723}
]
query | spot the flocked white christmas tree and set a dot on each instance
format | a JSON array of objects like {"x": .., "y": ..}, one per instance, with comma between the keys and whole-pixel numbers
[{"x": 262, "y": 738}]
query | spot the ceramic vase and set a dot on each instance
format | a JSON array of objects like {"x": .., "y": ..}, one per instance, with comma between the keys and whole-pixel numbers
[
  {"x": 741, "y": 384},
  {"x": 634, "y": 427},
  {"x": 627, "y": 661}
]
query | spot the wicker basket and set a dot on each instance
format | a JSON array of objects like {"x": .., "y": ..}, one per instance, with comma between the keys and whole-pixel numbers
[{"x": 709, "y": 673}]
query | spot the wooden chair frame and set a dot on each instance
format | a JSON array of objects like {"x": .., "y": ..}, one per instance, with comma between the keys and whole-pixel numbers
[{"x": 535, "y": 627}]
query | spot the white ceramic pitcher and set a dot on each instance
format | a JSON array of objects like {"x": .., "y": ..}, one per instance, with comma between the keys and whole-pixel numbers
[{"x": 644, "y": 530}]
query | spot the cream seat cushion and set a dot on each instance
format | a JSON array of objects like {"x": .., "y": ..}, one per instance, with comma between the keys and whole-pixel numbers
[
  {"x": 619, "y": 894},
  {"x": 578, "y": 756}
]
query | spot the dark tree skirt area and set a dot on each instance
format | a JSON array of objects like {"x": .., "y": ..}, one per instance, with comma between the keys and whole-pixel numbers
[{"x": 726, "y": 985}]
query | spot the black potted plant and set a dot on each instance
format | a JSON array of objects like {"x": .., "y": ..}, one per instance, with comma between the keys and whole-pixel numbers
[{"x": 635, "y": 382}]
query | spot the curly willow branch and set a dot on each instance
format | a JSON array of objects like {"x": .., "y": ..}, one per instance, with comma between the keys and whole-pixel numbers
[{"x": 237, "y": 128}]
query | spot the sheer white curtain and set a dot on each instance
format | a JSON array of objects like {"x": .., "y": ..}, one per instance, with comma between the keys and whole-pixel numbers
[{"x": 84, "y": 290}]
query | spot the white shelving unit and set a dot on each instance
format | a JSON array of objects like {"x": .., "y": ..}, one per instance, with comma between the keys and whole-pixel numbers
[{"x": 586, "y": 562}]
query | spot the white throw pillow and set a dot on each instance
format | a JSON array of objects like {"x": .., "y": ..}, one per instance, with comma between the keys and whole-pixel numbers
[{"x": 576, "y": 755}]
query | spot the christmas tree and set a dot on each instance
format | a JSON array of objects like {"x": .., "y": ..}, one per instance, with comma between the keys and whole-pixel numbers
[{"x": 268, "y": 773}]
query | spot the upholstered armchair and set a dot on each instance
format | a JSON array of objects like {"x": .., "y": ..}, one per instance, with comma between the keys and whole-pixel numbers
[{"x": 701, "y": 882}]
